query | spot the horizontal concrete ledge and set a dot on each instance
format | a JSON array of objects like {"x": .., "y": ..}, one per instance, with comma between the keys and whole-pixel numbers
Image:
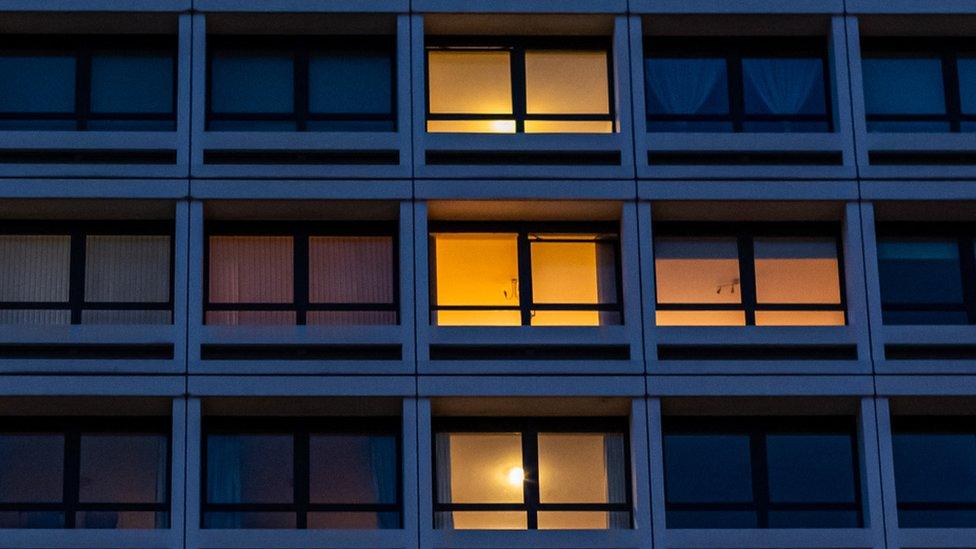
[
  {"x": 626, "y": 386},
  {"x": 265, "y": 385},
  {"x": 760, "y": 385},
  {"x": 78, "y": 385}
]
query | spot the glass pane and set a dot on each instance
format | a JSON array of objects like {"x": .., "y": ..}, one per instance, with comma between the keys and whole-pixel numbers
[
  {"x": 925, "y": 317},
  {"x": 249, "y": 469},
  {"x": 123, "y": 469},
  {"x": 126, "y": 317},
  {"x": 784, "y": 86},
  {"x": 813, "y": 519},
  {"x": 350, "y": 82},
  {"x": 131, "y": 83},
  {"x": 566, "y": 82},
  {"x": 800, "y": 318},
  {"x": 907, "y": 126},
  {"x": 35, "y": 316},
  {"x": 568, "y": 126},
  {"x": 482, "y": 520},
  {"x": 919, "y": 271},
  {"x": 476, "y": 318},
  {"x": 127, "y": 268},
  {"x": 34, "y": 268},
  {"x": 31, "y": 519},
  {"x": 251, "y": 269},
  {"x": 810, "y": 468},
  {"x": 352, "y": 469},
  {"x": 352, "y": 521},
  {"x": 252, "y": 318},
  {"x": 575, "y": 318},
  {"x": 686, "y": 86},
  {"x": 573, "y": 272},
  {"x": 350, "y": 269},
  {"x": 712, "y": 519},
  {"x": 700, "y": 318},
  {"x": 33, "y": 465},
  {"x": 581, "y": 468},
  {"x": 37, "y": 83},
  {"x": 471, "y": 126},
  {"x": 268, "y": 520},
  {"x": 474, "y": 82},
  {"x": 475, "y": 269},
  {"x": 582, "y": 520},
  {"x": 351, "y": 318},
  {"x": 942, "y": 518},
  {"x": 252, "y": 82},
  {"x": 128, "y": 520},
  {"x": 796, "y": 270},
  {"x": 697, "y": 270},
  {"x": 903, "y": 86},
  {"x": 935, "y": 467},
  {"x": 707, "y": 468},
  {"x": 479, "y": 467},
  {"x": 967, "y": 84}
]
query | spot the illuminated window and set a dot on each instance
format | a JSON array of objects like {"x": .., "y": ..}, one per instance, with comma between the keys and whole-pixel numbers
[
  {"x": 736, "y": 85},
  {"x": 298, "y": 273},
  {"x": 340, "y": 473},
  {"x": 519, "y": 87},
  {"x": 301, "y": 84},
  {"x": 481, "y": 278},
  {"x": 547, "y": 474},
  {"x": 71, "y": 273},
  {"x": 770, "y": 276},
  {"x": 84, "y": 473}
]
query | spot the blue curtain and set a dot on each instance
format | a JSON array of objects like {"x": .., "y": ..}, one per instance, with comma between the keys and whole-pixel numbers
[
  {"x": 224, "y": 461},
  {"x": 382, "y": 457},
  {"x": 613, "y": 455},
  {"x": 684, "y": 86},
  {"x": 442, "y": 447},
  {"x": 781, "y": 86}
]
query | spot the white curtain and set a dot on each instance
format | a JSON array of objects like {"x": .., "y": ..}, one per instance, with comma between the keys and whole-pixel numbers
[
  {"x": 683, "y": 86},
  {"x": 127, "y": 268},
  {"x": 783, "y": 85},
  {"x": 251, "y": 269},
  {"x": 442, "y": 447},
  {"x": 35, "y": 268},
  {"x": 613, "y": 450}
]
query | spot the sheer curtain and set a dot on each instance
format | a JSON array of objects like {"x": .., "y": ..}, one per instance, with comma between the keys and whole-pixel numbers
[
  {"x": 783, "y": 86},
  {"x": 127, "y": 269},
  {"x": 614, "y": 458},
  {"x": 224, "y": 478},
  {"x": 683, "y": 86},
  {"x": 251, "y": 269},
  {"x": 606, "y": 280},
  {"x": 35, "y": 268},
  {"x": 442, "y": 447},
  {"x": 351, "y": 269},
  {"x": 382, "y": 457}
]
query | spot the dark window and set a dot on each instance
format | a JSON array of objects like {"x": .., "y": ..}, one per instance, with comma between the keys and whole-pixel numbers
[
  {"x": 301, "y": 273},
  {"x": 516, "y": 474},
  {"x": 515, "y": 85},
  {"x": 918, "y": 85},
  {"x": 84, "y": 473},
  {"x": 737, "y": 85},
  {"x": 87, "y": 83},
  {"x": 301, "y": 83},
  {"x": 341, "y": 473},
  {"x": 926, "y": 274},
  {"x": 752, "y": 472},
  {"x": 935, "y": 471},
  {"x": 764, "y": 274},
  {"x": 71, "y": 272},
  {"x": 548, "y": 274}
]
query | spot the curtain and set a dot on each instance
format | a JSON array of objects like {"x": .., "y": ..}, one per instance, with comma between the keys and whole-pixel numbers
[
  {"x": 162, "y": 481},
  {"x": 251, "y": 269},
  {"x": 129, "y": 268},
  {"x": 442, "y": 448},
  {"x": 782, "y": 85},
  {"x": 35, "y": 268},
  {"x": 606, "y": 280},
  {"x": 683, "y": 86},
  {"x": 350, "y": 269},
  {"x": 614, "y": 459},
  {"x": 224, "y": 462},
  {"x": 382, "y": 458}
]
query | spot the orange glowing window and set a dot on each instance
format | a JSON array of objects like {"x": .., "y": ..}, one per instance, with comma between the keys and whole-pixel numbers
[
  {"x": 748, "y": 278},
  {"x": 519, "y": 88},
  {"x": 524, "y": 278}
]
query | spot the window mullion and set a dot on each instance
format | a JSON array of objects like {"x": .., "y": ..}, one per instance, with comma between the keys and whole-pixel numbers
[
  {"x": 524, "y": 248},
  {"x": 301, "y": 477},
  {"x": 760, "y": 476},
  {"x": 517, "y": 64},
  {"x": 76, "y": 276},
  {"x": 530, "y": 482},
  {"x": 72, "y": 475},
  {"x": 747, "y": 277},
  {"x": 950, "y": 79}
]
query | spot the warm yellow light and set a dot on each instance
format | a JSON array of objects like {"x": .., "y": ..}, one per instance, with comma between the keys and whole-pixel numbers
[{"x": 516, "y": 476}]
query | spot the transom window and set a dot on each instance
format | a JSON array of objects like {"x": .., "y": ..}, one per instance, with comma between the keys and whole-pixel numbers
[
  {"x": 519, "y": 85},
  {"x": 301, "y": 83},
  {"x": 517, "y": 474},
  {"x": 72, "y": 272},
  {"x": 763, "y": 274},
  {"x": 919, "y": 85},
  {"x": 301, "y": 273},
  {"x": 696, "y": 84},
  {"x": 84, "y": 472},
  {"x": 531, "y": 275},
  {"x": 304, "y": 473},
  {"x": 110, "y": 83},
  {"x": 761, "y": 472},
  {"x": 927, "y": 273}
]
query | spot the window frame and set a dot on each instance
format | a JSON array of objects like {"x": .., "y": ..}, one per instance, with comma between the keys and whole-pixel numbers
[
  {"x": 733, "y": 50},
  {"x": 524, "y": 253},
  {"x": 81, "y": 47},
  {"x": 300, "y": 48},
  {"x": 745, "y": 235},
  {"x": 517, "y": 46},
  {"x": 300, "y": 233},
  {"x": 72, "y": 428},
  {"x": 948, "y": 51},
  {"x": 77, "y": 231},
  {"x": 300, "y": 429},
  {"x": 757, "y": 428},
  {"x": 529, "y": 428}
]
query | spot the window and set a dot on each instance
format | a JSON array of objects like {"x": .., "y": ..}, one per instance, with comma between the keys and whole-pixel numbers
[
  {"x": 84, "y": 473},
  {"x": 301, "y": 273},
  {"x": 918, "y": 85},
  {"x": 737, "y": 85},
  {"x": 111, "y": 83},
  {"x": 301, "y": 83},
  {"x": 516, "y": 86},
  {"x": 507, "y": 275},
  {"x": 760, "y": 274},
  {"x": 752, "y": 472},
  {"x": 71, "y": 272},
  {"x": 926, "y": 274},
  {"x": 305, "y": 473},
  {"x": 935, "y": 471},
  {"x": 517, "y": 474}
]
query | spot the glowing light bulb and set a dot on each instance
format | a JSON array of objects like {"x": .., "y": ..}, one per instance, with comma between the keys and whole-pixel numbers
[{"x": 516, "y": 476}]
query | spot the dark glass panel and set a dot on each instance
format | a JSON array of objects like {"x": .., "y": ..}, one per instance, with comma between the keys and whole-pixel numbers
[
  {"x": 32, "y": 469},
  {"x": 350, "y": 82},
  {"x": 707, "y": 468},
  {"x": 352, "y": 469},
  {"x": 252, "y": 82},
  {"x": 919, "y": 271},
  {"x": 249, "y": 469},
  {"x": 37, "y": 83},
  {"x": 784, "y": 86},
  {"x": 131, "y": 83},
  {"x": 903, "y": 86},
  {"x": 810, "y": 468}
]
